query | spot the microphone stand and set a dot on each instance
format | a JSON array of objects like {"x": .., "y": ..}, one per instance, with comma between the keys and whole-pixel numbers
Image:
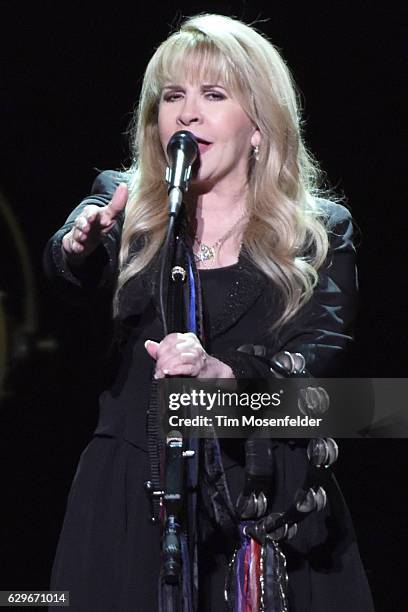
[
  {"x": 182, "y": 151},
  {"x": 173, "y": 501},
  {"x": 178, "y": 173}
]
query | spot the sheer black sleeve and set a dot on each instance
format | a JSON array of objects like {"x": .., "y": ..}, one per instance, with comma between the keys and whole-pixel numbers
[{"x": 98, "y": 270}]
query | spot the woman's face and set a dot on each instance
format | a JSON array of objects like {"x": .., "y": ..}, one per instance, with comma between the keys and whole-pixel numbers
[{"x": 224, "y": 131}]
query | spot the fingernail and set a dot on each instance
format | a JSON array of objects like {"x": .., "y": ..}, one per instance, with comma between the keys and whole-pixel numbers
[
  {"x": 166, "y": 371},
  {"x": 146, "y": 343}
]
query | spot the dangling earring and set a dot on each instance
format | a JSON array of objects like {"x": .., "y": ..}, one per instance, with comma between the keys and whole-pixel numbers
[{"x": 255, "y": 152}]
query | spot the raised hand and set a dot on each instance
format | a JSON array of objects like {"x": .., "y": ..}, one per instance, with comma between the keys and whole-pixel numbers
[{"x": 92, "y": 224}]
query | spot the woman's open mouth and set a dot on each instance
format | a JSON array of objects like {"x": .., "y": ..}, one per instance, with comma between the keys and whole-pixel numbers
[{"x": 203, "y": 145}]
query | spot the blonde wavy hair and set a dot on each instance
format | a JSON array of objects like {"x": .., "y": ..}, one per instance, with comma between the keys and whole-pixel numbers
[{"x": 286, "y": 235}]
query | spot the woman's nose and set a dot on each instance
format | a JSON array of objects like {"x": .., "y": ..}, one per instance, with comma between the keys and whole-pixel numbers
[{"x": 189, "y": 112}]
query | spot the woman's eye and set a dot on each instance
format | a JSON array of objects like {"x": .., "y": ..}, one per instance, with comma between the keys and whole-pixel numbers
[
  {"x": 215, "y": 95},
  {"x": 171, "y": 97}
]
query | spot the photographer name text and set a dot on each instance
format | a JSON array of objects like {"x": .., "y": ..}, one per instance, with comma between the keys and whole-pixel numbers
[{"x": 243, "y": 421}]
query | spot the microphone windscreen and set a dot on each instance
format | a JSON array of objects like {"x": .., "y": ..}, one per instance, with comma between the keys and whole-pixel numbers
[{"x": 184, "y": 141}]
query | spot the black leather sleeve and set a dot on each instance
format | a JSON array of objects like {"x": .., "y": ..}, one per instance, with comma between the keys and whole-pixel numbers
[
  {"x": 98, "y": 270},
  {"x": 322, "y": 329}
]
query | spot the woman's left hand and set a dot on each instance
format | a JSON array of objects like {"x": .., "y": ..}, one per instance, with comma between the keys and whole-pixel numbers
[{"x": 183, "y": 355}]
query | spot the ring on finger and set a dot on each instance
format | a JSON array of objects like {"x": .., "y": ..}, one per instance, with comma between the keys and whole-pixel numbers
[{"x": 186, "y": 354}]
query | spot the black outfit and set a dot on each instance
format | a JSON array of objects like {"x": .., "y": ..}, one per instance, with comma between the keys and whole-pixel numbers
[{"x": 109, "y": 552}]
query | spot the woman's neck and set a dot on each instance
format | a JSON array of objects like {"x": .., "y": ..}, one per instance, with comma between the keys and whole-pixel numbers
[
  {"x": 216, "y": 224},
  {"x": 214, "y": 213}
]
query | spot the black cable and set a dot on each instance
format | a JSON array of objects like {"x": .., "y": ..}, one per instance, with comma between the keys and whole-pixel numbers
[{"x": 164, "y": 260}]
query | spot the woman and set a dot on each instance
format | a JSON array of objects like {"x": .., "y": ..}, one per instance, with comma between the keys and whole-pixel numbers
[{"x": 274, "y": 274}]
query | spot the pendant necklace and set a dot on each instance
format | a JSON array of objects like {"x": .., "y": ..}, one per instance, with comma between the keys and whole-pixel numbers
[{"x": 206, "y": 251}]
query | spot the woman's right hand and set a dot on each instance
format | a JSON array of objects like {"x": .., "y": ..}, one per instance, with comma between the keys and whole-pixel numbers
[{"x": 91, "y": 225}]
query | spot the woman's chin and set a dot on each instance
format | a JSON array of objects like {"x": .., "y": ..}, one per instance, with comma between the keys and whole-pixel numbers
[{"x": 201, "y": 184}]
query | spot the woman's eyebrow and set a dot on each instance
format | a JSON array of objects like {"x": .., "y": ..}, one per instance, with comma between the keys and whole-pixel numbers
[
  {"x": 211, "y": 86},
  {"x": 203, "y": 86},
  {"x": 172, "y": 87}
]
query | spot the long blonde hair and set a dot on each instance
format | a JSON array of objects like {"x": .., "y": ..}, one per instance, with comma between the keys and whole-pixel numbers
[{"x": 285, "y": 237}]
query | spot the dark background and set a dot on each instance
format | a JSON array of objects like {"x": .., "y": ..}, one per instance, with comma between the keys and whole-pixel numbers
[{"x": 71, "y": 77}]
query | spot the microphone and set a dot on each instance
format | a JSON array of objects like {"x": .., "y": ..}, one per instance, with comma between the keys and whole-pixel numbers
[{"x": 182, "y": 152}]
